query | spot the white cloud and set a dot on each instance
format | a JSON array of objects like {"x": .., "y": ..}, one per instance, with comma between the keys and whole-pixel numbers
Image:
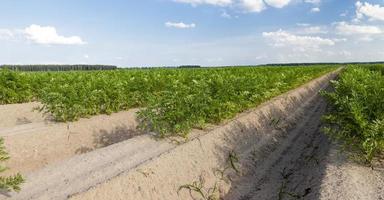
[
  {"x": 49, "y": 36},
  {"x": 253, "y": 5},
  {"x": 314, "y": 30},
  {"x": 277, "y": 3},
  {"x": 344, "y": 28},
  {"x": 211, "y": 2},
  {"x": 373, "y": 12},
  {"x": 345, "y": 53},
  {"x": 179, "y": 25},
  {"x": 303, "y": 24},
  {"x": 245, "y": 5},
  {"x": 344, "y": 14},
  {"x": 6, "y": 34},
  {"x": 313, "y": 1},
  {"x": 359, "y": 32},
  {"x": 316, "y": 9},
  {"x": 284, "y": 39},
  {"x": 224, "y": 14}
]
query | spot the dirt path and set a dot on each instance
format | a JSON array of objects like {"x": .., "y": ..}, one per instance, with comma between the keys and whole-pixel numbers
[
  {"x": 81, "y": 172},
  {"x": 308, "y": 166},
  {"x": 346, "y": 180}
]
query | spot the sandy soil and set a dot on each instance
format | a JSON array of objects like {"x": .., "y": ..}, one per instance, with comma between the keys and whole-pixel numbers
[
  {"x": 19, "y": 114},
  {"x": 307, "y": 166},
  {"x": 346, "y": 180},
  {"x": 81, "y": 172},
  {"x": 38, "y": 142}
]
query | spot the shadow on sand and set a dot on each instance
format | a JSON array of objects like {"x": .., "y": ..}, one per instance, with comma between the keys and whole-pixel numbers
[
  {"x": 283, "y": 158},
  {"x": 104, "y": 138}
]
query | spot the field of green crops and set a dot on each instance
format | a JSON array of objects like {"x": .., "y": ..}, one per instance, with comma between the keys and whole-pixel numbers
[
  {"x": 357, "y": 115},
  {"x": 173, "y": 100}
]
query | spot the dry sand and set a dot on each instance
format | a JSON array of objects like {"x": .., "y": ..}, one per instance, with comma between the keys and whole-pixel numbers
[
  {"x": 39, "y": 142},
  {"x": 307, "y": 165},
  {"x": 18, "y": 114}
]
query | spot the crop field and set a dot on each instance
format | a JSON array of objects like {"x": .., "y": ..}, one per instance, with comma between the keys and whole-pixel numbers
[
  {"x": 192, "y": 100},
  {"x": 57, "y": 126},
  {"x": 357, "y": 117},
  {"x": 174, "y": 100}
]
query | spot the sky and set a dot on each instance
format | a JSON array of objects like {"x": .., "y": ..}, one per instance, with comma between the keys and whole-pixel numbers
[{"x": 136, "y": 33}]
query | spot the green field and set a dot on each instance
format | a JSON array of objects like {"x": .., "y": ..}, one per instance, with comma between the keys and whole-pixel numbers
[
  {"x": 357, "y": 115},
  {"x": 173, "y": 100}
]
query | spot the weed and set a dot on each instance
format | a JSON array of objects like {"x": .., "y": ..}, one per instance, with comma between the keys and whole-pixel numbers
[
  {"x": 198, "y": 187},
  {"x": 233, "y": 160},
  {"x": 274, "y": 122},
  {"x": 10, "y": 182}
]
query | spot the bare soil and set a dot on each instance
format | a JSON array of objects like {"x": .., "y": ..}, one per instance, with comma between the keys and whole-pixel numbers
[
  {"x": 18, "y": 114},
  {"x": 34, "y": 141},
  {"x": 307, "y": 165}
]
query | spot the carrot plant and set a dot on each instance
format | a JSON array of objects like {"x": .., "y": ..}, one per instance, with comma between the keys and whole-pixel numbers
[
  {"x": 173, "y": 100},
  {"x": 357, "y": 115},
  {"x": 14, "y": 87},
  {"x": 213, "y": 95}
]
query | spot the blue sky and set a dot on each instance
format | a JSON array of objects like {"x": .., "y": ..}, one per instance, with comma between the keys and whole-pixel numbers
[{"x": 174, "y": 32}]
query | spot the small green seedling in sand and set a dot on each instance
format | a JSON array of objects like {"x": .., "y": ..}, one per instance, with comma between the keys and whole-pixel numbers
[
  {"x": 197, "y": 187},
  {"x": 233, "y": 160},
  {"x": 8, "y": 183}
]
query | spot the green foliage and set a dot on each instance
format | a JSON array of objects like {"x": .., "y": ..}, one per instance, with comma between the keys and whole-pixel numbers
[
  {"x": 10, "y": 182},
  {"x": 14, "y": 87},
  {"x": 173, "y": 100},
  {"x": 214, "y": 95},
  {"x": 198, "y": 187},
  {"x": 357, "y": 116},
  {"x": 377, "y": 67}
]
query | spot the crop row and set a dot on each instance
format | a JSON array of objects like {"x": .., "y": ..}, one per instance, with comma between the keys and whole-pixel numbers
[
  {"x": 357, "y": 114},
  {"x": 173, "y": 101}
]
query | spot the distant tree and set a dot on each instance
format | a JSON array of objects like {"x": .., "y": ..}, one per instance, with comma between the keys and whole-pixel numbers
[
  {"x": 58, "y": 67},
  {"x": 189, "y": 66}
]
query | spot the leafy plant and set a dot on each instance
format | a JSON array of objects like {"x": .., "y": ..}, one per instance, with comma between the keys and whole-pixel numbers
[
  {"x": 14, "y": 87},
  {"x": 10, "y": 182},
  {"x": 357, "y": 115},
  {"x": 198, "y": 187},
  {"x": 213, "y": 95},
  {"x": 173, "y": 101}
]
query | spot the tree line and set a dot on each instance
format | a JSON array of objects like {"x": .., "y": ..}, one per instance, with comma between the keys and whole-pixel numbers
[{"x": 58, "y": 67}]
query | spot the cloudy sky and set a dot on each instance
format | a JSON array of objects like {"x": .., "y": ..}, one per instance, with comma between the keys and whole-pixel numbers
[{"x": 205, "y": 32}]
